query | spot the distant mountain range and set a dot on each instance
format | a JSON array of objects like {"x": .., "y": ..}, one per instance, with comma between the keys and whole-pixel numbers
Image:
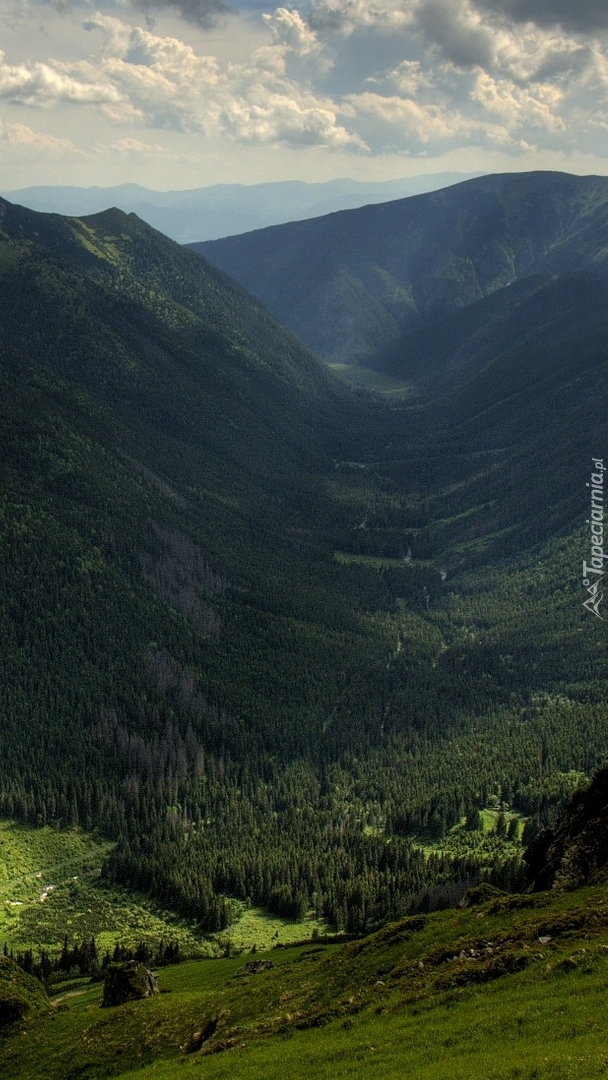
[
  {"x": 352, "y": 283},
  {"x": 225, "y": 209}
]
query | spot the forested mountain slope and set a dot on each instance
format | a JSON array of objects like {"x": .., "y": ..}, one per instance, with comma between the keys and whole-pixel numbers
[
  {"x": 272, "y": 637},
  {"x": 349, "y": 284}
]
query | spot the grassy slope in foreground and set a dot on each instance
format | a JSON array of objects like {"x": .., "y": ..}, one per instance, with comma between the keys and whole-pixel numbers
[{"x": 511, "y": 987}]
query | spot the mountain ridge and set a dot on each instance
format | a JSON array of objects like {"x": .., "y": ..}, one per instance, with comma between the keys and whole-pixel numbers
[
  {"x": 396, "y": 266},
  {"x": 223, "y": 209}
]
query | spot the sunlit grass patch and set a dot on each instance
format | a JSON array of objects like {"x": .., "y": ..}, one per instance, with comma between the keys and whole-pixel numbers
[
  {"x": 377, "y": 381},
  {"x": 51, "y": 886},
  {"x": 256, "y": 928}
]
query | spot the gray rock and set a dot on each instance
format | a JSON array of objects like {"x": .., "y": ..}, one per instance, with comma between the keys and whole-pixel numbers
[{"x": 130, "y": 981}]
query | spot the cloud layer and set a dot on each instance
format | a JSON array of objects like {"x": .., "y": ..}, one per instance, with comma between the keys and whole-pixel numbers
[
  {"x": 584, "y": 16},
  {"x": 415, "y": 77}
]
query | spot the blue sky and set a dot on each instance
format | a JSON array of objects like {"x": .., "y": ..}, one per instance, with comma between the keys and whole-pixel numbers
[{"x": 186, "y": 93}]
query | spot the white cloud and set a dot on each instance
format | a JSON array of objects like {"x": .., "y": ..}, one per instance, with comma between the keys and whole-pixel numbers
[
  {"x": 19, "y": 137},
  {"x": 463, "y": 82},
  {"x": 347, "y": 16},
  {"x": 167, "y": 85},
  {"x": 394, "y": 123},
  {"x": 47, "y": 84},
  {"x": 414, "y": 77},
  {"x": 136, "y": 146},
  {"x": 278, "y": 118},
  {"x": 290, "y": 31},
  {"x": 519, "y": 108},
  {"x": 408, "y": 121}
]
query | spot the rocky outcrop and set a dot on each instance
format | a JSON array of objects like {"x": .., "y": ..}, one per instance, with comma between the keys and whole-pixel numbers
[
  {"x": 130, "y": 981},
  {"x": 569, "y": 853},
  {"x": 253, "y": 967}
]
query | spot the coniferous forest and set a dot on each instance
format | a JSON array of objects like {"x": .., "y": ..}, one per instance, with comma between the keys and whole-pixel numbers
[{"x": 272, "y": 634}]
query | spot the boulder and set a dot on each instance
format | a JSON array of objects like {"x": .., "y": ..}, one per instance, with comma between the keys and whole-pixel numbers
[{"x": 130, "y": 981}]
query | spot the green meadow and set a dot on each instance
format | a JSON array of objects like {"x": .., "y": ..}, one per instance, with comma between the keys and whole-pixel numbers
[
  {"x": 386, "y": 385},
  {"x": 509, "y": 988},
  {"x": 51, "y": 885}
]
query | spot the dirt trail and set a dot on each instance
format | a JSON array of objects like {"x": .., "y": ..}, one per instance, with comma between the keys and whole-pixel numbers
[{"x": 68, "y": 994}]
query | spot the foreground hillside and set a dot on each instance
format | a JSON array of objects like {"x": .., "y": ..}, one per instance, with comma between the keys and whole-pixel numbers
[
  {"x": 511, "y": 986},
  {"x": 272, "y": 639},
  {"x": 504, "y": 985}
]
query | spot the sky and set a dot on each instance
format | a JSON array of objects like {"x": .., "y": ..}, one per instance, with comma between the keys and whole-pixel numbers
[{"x": 174, "y": 94}]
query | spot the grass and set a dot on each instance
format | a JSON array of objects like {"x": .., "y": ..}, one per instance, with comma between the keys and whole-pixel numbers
[
  {"x": 379, "y": 383},
  {"x": 26, "y": 854},
  {"x": 256, "y": 928},
  {"x": 486, "y": 1037},
  {"x": 485, "y": 844},
  {"x": 51, "y": 885},
  {"x": 377, "y": 562},
  {"x": 40, "y": 869},
  {"x": 489, "y": 819},
  {"x": 466, "y": 994}
]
